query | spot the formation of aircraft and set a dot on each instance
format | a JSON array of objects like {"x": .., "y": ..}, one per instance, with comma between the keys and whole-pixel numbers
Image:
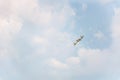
[{"x": 78, "y": 40}]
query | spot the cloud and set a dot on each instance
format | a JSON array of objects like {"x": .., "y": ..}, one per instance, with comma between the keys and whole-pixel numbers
[
  {"x": 94, "y": 58},
  {"x": 39, "y": 40},
  {"x": 73, "y": 60},
  {"x": 115, "y": 23},
  {"x": 10, "y": 23},
  {"x": 57, "y": 64},
  {"x": 9, "y": 26},
  {"x": 15, "y": 12},
  {"x": 116, "y": 40},
  {"x": 42, "y": 13}
]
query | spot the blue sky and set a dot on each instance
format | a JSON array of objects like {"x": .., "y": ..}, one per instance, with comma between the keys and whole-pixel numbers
[{"x": 36, "y": 39}]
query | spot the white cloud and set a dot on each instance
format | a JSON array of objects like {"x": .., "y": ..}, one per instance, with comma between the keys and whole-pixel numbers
[
  {"x": 73, "y": 60},
  {"x": 57, "y": 64},
  {"x": 95, "y": 59},
  {"x": 10, "y": 23},
  {"x": 43, "y": 14},
  {"x": 9, "y": 26},
  {"x": 116, "y": 23},
  {"x": 53, "y": 40},
  {"x": 39, "y": 40},
  {"x": 115, "y": 47},
  {"x": 115, "y": 27},
  {"x": 24, "y": 7},
  {"x": 14, "y": 12}
]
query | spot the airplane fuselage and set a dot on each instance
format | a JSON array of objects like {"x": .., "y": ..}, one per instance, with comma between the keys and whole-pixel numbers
[{"x": 78, "y": 40}]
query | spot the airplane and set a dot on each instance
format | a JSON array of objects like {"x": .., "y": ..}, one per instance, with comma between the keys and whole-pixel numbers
[{"x": 78, "y": 40}]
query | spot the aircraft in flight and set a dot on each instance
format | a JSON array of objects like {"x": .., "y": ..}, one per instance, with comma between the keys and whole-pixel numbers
[{"x": 78, "y": 40}]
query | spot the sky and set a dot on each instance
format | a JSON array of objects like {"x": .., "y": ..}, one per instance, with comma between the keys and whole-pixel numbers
[{"x": 36, "y": 39}]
